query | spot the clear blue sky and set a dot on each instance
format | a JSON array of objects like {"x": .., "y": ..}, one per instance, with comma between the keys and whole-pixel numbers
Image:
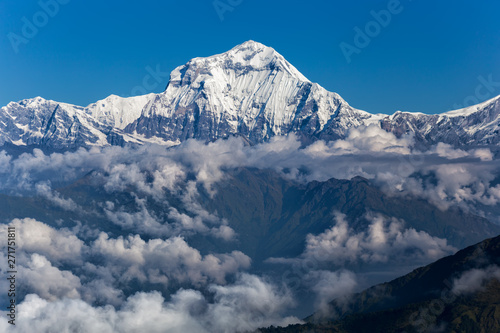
[{"x": 428, "y": 58}]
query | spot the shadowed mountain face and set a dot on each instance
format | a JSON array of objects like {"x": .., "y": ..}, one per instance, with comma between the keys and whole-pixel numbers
[
  {"x": 271, "y": 215},
  {"x": 250, "y": 91},
  {"x": 459, "y": 293}
]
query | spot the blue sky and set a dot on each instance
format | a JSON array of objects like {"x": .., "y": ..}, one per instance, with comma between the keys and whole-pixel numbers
[{"x": 430, "y": 57}]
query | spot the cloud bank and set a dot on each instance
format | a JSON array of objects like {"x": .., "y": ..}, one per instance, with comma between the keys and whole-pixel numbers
[
  {"x": 244, "y": 306},
  {"x": 136, "y": 269}
]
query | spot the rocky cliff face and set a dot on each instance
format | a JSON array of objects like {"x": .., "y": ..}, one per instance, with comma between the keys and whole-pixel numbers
[
  {"x": 251, "y": 91},
  {"x": 47, "y": 123}
]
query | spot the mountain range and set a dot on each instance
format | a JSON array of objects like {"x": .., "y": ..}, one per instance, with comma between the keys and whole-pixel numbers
[
  {"x": 271, "y": 214},
  {"x": 249, "y": 91}
]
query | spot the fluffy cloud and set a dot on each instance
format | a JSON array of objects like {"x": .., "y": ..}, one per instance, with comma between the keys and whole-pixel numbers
[
  {"x": 157, "y": 261},
  {"x": 475, "y": 279},
  {"x": 60, "y": 246},
  {"x": 142, "y": 220},
  {"x": 384, "y": 240},
  {"x": 367, "y": 151},
  {"x": 165, "y": 174},
  {"x": 200, "y": 221},
  {"x": 44, "y": 190},
  {"x": 56, "y": 263},
  {"x": 330, "y": 286},
  {"x": 5, "y": 162},
  {"x": 373, "y": 139},
  {"x": 467, "y": 185},
  {"x": 447, "y": 151},
  {"x": 185, "y": 222},
  {"x": 39, "y": 276},
  {"x": 246, "y": 305}
]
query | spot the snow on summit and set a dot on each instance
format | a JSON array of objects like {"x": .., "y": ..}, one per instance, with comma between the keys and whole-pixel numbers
[{"x": 251, "y": 91}]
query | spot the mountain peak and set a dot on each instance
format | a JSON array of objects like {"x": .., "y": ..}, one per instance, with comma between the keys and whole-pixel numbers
[
  {"x": 473, "y": 108},
  {"x": 247, "y": 56},
  {"x": 252, "y": 53},
  {"x": 252, "y": 45},
  {"x": 258, "y": 55}
]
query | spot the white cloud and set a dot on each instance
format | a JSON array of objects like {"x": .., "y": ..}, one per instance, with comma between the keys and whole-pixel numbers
[
  {"x": 462, "y": 184},
  {"x": 329, "y": 286},
  {"x": 367, "y": 151},
  {"x": 475, "y": 279},
  {"x": 161, "y": 260},
  {"x": 44, "y": 190},
  {"x": 484, "y": 154},
  {"x": 142, "y": 221},
  {"x": 5, "y": 162},
  {"x": 384, "y": 240},
  {"x": 58, "y": 245},
  {"x": 39, "y": 276},
  {"x": 447, "y": 151},
  {"x": 373, "y": 139},
  {"x": 247, "y": 305}
]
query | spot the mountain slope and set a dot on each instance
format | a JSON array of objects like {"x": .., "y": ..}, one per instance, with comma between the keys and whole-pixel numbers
[
  {"x": 459, "y": 293},
  {"x": 274, "y": 214},
  {"x": 47, "y": 123},
  {"x": 475, "y": 125},
  {"x": 250, "y": 90},
  {"x": 271, "y": 215}
]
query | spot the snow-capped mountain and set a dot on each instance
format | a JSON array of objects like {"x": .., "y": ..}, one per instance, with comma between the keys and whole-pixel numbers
[
  {"x": 251, "y": 91},
  {"x": 41, "y": 122},
  {"x": 475, "y": 125}
]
